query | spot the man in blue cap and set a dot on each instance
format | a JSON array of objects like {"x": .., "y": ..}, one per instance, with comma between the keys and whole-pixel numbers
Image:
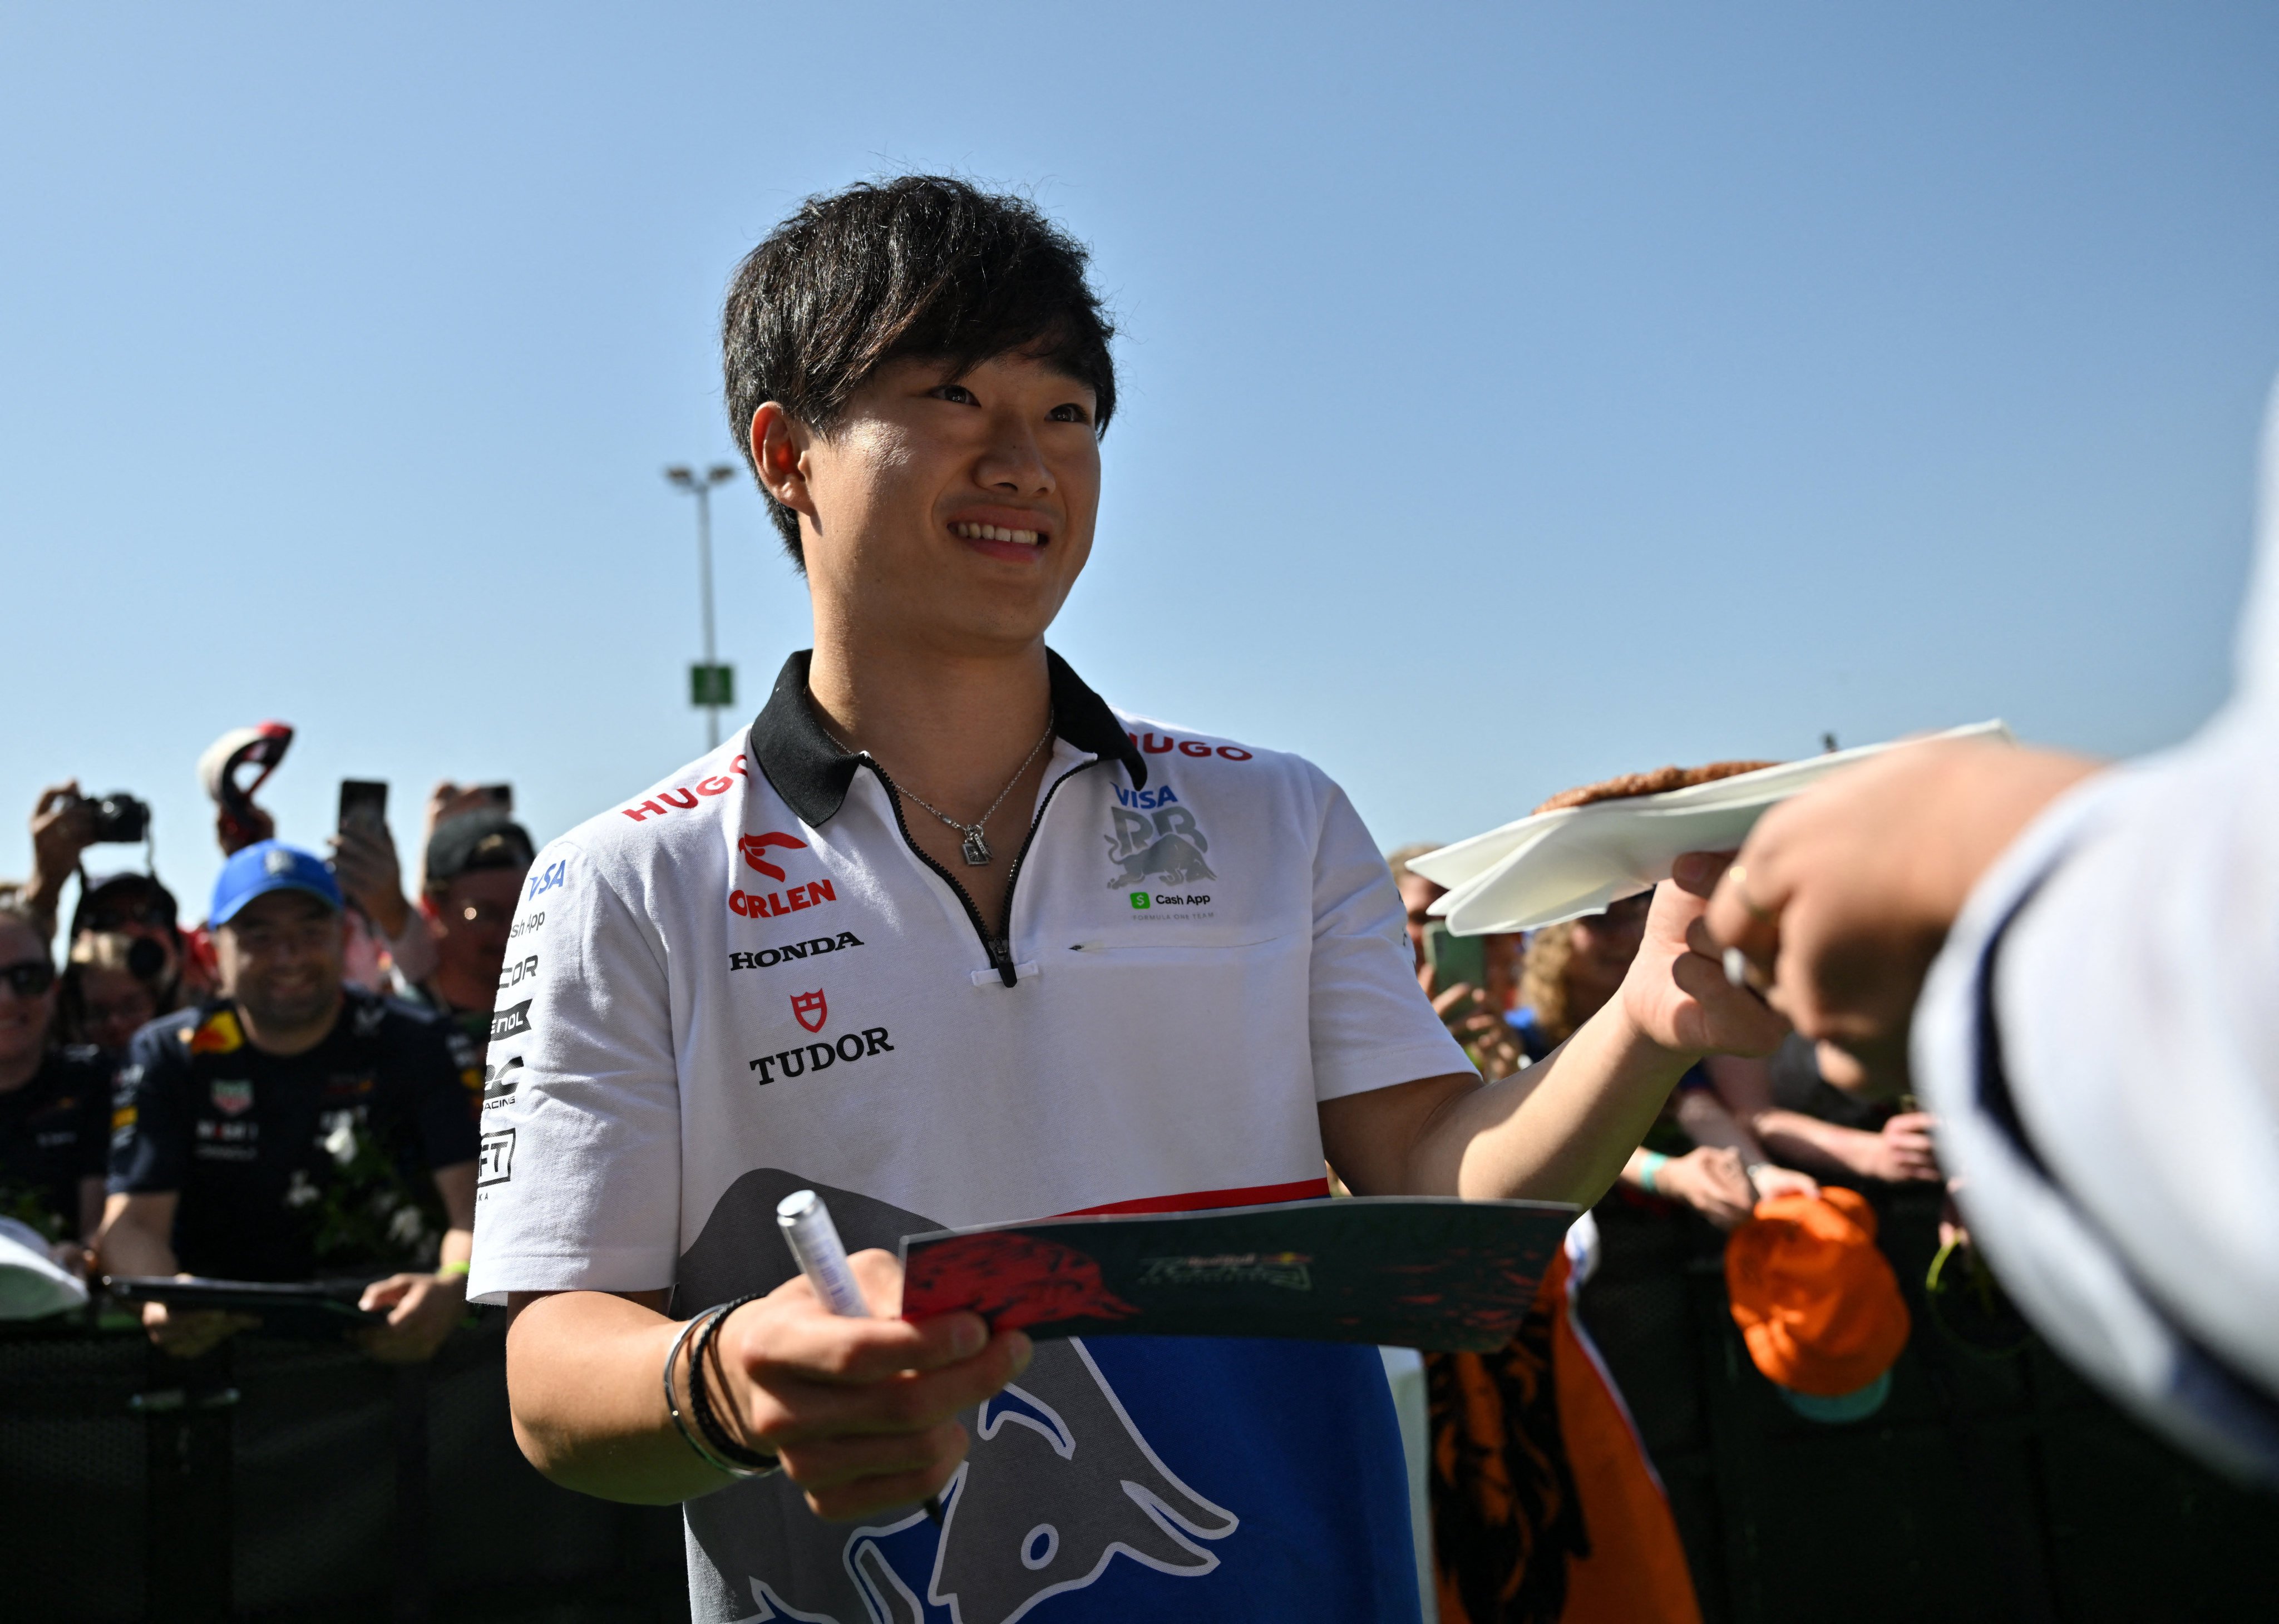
[{"x": 292, "y": 1127}]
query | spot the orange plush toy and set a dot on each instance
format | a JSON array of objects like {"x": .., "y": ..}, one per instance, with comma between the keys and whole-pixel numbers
[{"x": 1817, "y": 1303}]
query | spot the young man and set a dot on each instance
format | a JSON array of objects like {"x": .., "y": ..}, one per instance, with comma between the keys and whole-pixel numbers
[
  {"x": 237, "y": 1119},
  {"x": 947, "y": 939}
]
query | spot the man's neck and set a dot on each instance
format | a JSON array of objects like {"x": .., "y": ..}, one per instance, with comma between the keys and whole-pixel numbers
[
  {"x": 287, "y": 1041},
  {"x": 951, "y": 727}
]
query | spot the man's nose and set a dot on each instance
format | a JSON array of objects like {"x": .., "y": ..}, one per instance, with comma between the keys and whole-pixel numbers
[{"x": 1014, "y": 464}]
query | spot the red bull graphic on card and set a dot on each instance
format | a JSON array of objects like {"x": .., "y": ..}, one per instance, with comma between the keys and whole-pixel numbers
[{"x": 1150, "y": 1478}]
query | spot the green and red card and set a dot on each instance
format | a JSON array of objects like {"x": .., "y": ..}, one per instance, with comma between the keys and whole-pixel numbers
[{"x": 1407, "y": 1271}]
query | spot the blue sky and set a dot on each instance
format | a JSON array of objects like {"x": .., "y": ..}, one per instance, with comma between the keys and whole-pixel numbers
[{"x": 1512, "y": 395}]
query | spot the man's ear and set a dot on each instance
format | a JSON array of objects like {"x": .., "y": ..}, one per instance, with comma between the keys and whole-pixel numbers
[{"x": 780, "y": 443}]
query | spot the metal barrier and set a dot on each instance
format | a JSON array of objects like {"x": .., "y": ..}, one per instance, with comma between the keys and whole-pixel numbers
[
  {"x": 282, "y": 1481},
  {"x": 1988, "y": 1487}
]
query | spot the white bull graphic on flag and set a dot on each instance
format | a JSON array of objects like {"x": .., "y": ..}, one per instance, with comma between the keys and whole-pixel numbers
[{"x": 1059, "y": 1481}]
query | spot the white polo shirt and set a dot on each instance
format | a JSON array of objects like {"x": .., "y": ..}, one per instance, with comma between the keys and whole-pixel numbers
[{"x": 747, "y": 981}]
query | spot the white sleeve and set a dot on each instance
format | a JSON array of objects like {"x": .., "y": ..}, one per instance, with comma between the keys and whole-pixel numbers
[
  {"x": 579, "y": 1180},
  {"x": 2100, "y": 1041},
  {"x": 1370, "y": 1024}
]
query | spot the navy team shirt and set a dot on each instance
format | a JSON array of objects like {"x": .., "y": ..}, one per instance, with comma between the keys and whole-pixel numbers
[{"x": 238, "y": 1133}]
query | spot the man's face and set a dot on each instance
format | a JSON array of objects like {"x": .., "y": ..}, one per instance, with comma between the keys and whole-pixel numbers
[
  {"x": 23, "y": 1018},
  {"x": 113, "y": 1005},
  {"x": 1604, "y": 944},
  {"x": 918, "y": 487},
  {"x": 475, "y": 913},
  {"x": 282, "y": 956}
]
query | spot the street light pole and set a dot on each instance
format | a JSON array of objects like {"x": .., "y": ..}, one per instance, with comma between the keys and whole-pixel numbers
[{"x": 701, "y": 487}]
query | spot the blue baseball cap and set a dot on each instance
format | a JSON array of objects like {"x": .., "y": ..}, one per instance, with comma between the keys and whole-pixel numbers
[{"x": 267, "y": 866}]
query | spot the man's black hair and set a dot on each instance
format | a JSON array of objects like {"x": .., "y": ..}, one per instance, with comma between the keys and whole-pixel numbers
[{"x": 926, "y": 265}]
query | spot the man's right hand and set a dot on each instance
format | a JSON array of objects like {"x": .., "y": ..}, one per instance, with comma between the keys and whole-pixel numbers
[
  {"x": 188, "y": 1333},
  {"x": 365, "y": 859},
  {"x": 861, "y": 1412},
  {"x": 1902, "y": 1152},
  {"x": 63, "y": 827},
  {"x": 1711, "y": 1180}
]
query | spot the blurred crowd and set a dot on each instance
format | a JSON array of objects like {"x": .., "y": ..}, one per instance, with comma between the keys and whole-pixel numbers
[
  {"x": 1533, "y": 1445},
  {"x": 288, "y": 1089}
]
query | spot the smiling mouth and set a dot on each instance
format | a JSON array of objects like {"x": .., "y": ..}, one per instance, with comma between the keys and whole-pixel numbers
[{"x": 997, "y": 532}]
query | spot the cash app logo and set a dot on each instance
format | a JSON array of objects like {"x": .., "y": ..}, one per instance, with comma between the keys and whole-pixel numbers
[{"x": 1139, "y": 898}]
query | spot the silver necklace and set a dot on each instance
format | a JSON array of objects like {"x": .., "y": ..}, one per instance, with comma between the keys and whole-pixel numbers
[{"x": 975, "y": 849}]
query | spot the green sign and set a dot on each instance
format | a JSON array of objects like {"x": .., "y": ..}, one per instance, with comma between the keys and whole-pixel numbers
[{"x": 711, "y": 685}]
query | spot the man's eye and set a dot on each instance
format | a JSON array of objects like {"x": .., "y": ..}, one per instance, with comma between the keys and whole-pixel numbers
[
  {"x": 956, "y": 394},
  {"x": 1069, "y": 412}
]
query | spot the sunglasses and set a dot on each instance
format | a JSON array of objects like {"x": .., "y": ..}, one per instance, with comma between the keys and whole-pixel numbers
[{"x": 29, "y": 978}]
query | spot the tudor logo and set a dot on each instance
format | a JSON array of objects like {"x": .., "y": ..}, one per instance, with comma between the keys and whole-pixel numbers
[
  {"x": 753, "y": 846},
  {"x": 810, "y": 1009}
]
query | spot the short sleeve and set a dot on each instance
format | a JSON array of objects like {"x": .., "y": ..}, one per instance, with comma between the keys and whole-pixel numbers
[
  {"x": 579, "y": 1186},
  {"x": 1370, "y": 1024},
  {"x": 149, "y": 1127}
]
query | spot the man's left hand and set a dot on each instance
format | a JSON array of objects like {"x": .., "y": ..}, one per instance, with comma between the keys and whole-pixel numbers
[
  {"x": 1676, "y": 992},
  {"x": 422, "y": 1308}
]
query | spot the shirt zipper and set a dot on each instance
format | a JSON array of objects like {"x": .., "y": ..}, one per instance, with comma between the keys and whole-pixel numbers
[{"x": 999, "y": 947}]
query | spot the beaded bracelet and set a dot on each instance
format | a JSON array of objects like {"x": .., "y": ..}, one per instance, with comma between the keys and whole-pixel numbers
[
  {"x": 700, "y": 1398},
  {"x": 680, "y": 1425}
]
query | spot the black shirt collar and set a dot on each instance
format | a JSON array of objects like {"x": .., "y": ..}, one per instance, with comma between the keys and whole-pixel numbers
[{"x": 811, "y": 772}]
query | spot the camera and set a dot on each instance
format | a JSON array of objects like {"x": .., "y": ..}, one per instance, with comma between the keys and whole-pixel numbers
[{"x": 120, "y": 819}]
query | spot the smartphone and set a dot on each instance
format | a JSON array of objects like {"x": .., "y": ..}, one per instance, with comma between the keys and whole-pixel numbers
[
  {"x": 501, "y": 795},
  {"x": 1455, "y": 957},
  {"x": 363, "y": 805}
]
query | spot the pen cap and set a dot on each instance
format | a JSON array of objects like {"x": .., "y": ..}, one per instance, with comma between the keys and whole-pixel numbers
[{"x": 814, "y": 1241}]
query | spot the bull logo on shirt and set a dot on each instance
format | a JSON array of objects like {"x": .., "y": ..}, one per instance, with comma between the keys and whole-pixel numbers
[
  {"x": 810, "y": 1009},
  {"x": 1059, "y": 1482},
  {"x": 1157, "y": 845}
]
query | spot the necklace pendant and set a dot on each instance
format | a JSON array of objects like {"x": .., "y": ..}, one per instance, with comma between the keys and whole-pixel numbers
[{"x": 976, "y": 850}]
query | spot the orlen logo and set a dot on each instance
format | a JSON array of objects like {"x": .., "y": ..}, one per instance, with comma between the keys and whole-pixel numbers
[
  {"x": 775, "y": 904},
  {"x": 681, "y": 797},
  {"x": 1154, "y": 746}
]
